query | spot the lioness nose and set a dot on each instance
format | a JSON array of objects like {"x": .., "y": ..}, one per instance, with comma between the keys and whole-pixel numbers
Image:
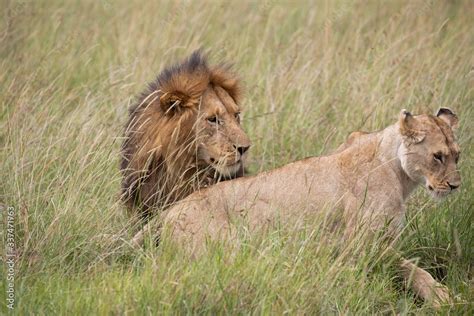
[
  {"x": 242, "y": 149},
  {"x": 453, "y": 186}
]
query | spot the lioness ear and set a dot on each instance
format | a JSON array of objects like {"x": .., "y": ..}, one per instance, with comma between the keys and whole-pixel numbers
[
  {"x": 408, "y": 128},
  {"x": 173, "y": 101},
  {"x": 449, "y": 117}
]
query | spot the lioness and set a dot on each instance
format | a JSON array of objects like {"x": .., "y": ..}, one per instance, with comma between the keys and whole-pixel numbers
[
  {"x": 183, "y": 133},
  {"x": 369, "y": 178}
]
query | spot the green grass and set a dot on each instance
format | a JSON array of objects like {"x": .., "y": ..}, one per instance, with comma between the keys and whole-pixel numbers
[{"x": 314, "y": 72}]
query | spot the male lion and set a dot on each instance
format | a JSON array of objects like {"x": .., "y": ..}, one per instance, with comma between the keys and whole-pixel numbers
[
  {"x": 369, "y": 179},
  {"x": 183, "y": 133}
]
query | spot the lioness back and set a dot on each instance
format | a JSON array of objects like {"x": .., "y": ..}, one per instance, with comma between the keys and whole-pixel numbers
[{"x": 370, "y": 180}]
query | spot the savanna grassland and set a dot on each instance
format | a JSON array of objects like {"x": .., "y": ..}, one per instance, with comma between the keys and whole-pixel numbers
[{"x": 314, "y": 72}]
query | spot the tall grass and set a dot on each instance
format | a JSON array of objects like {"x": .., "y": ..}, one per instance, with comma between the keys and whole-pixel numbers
[{"x": 314, "y": 72}]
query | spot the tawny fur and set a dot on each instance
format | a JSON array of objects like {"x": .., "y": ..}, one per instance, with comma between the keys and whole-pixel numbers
[
  {"x": 369, "y": 178},
  {"x": 167, "y": 135}
]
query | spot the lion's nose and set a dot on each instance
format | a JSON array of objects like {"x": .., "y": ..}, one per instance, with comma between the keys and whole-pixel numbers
[
  {"x": 241, "y": 149},
  {"x": 453, "y": 186}
]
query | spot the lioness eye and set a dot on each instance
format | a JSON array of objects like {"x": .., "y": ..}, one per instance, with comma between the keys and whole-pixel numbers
[
  {"x": 438, "y": 156},
  {"x": 212, "y": 119},
  {"x": 237, "y": 116}
]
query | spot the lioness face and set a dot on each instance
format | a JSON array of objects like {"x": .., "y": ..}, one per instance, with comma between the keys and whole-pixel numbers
[
  {"x": 221, "y": 141},
  {"x": 431, "y": 156}
]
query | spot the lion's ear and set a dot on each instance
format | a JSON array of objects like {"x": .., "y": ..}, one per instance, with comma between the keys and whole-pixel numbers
[
  {"x": 171, "y": 102},
  {"x": 408, "y": 128},
  {"x": 449, "y": 117}
]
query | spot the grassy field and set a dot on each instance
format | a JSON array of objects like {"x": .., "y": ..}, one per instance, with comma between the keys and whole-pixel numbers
[{"x": 314, "y": 72}]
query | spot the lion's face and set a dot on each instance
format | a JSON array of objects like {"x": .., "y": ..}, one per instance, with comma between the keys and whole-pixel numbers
[
  {"x": 221, "y": 142},
  {"x": 183, "y": 133},
  {"x": 430, "y": 153}
]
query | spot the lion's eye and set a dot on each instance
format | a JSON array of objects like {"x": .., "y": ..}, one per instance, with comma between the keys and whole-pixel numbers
[
  {"x": 438, "y": 157},
  {"x": 237, "y": 116},
  {"x": 212, "y": 119}
]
